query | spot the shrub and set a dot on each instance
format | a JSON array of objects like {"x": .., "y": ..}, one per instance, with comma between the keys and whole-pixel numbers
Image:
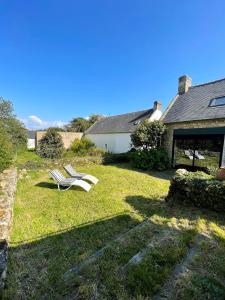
[
  {"x": 6, "y": 150},
  {"x": 198, "y": 189},
  {"x": 150, "y": 159},
  {"x": 51, "y": 145},
  {"x": 83, "y": 146}
]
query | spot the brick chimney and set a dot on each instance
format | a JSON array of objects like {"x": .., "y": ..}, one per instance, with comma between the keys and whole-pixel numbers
[
  {"x": 157, "y": 105},
  {"x": 183, "y": 84}
]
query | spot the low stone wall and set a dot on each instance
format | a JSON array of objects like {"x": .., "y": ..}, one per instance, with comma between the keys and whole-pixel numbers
[{"x": 7, "y": 197}]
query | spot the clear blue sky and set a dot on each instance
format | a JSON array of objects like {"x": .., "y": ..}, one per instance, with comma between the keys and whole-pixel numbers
[{"x": 62, "y": 59}]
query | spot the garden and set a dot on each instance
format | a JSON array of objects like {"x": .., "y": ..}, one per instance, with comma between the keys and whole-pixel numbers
[{"x": 129, "y": 237}]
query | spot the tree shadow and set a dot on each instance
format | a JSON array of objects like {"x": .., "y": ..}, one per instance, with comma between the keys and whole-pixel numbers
[
  {"x": 147, "y": 207},
  {"x": 166, "y": 174},
  {"x": 36, "y": 267}
]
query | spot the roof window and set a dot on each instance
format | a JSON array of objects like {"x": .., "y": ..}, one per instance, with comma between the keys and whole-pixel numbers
[{"x": 217, "y": 101}]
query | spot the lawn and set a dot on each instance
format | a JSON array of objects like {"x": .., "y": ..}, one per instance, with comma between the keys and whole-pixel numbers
[{"x": 56, "y": 231}]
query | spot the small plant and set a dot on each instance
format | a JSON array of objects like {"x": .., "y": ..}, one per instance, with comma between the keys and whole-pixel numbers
[
  {"x": 6, "y": 150},
  {"x": 83, "y": 146},
  {"x": 51, "y": 145}
]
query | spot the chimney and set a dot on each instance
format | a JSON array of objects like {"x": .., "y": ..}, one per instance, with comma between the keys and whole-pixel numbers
[
  {"x": 157, "y": 105},
  {"x": 184, "y": 84}
]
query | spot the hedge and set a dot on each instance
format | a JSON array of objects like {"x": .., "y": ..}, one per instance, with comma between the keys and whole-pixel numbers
[
  {"x": 198, "y": 189},
  {"x": 6, "y": 150}
]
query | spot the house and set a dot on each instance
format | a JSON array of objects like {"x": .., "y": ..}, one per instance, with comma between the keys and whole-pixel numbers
[
  {"x": 31, "y": 139},
  {"x": 67, "y": 137},
  {"x": 195, "y": 122},
  {"x": 113, "y": 133}
]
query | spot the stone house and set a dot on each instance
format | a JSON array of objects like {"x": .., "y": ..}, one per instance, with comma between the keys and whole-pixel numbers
[
  {"x": 113, "y": 134},
  {"x": 195, "y": 122}
]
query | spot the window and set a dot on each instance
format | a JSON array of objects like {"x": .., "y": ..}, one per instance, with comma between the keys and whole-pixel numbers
[
  {"x": 198, "y": 151},
  {"x": 217, "y": 101}
]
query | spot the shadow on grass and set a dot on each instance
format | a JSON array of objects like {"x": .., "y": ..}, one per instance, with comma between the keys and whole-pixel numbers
[
  {"x": 36, "y": 267},
  {"x": 150, "y": 206},
  {"x": 47, "y": 185},
  {"x": 167, "y": 174}
]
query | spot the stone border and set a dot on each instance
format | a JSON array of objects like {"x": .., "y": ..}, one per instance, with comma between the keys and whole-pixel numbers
[{"x": 7, "y": 197}]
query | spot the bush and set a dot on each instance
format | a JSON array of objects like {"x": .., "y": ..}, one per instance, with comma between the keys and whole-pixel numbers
[
  {"x": 83, "y": 146},
  {"x": 198, "y": 189},
  {"x": 51, "y": 145},
  {"x": 150, "y": 159},
  {"x": 6, "y": 150}
]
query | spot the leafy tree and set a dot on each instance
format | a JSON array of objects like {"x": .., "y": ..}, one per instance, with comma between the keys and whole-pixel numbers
[
  {"x": 6, "y": 150},
  {"x": 6, "y": 109},
  {"x": 13, "y": 127},
  {"x": 78, "y": 125},
  {"x": 51, "y": 145},
  {"x": 94, "y": 118},
  {"x": 148, "y": 135}
]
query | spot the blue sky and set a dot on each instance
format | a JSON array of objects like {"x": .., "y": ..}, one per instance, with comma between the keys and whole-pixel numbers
[{"x": 63, "y": 59}]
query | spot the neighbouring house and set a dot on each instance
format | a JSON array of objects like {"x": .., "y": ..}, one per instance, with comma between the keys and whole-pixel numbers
[
  {"x": 67, "y": 137},
  {"x": 113, "y": 134},
  {"x": 31, "y": 139},
  {"x": 195, "y": 122}
]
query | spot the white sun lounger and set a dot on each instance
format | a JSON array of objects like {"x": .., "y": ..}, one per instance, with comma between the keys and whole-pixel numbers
[
  {"x": 67, "y": 183},
  {"x": 69, "y": 169},
  {"x": 188, "y": 154},
  {"x": 198, "y": 155}
]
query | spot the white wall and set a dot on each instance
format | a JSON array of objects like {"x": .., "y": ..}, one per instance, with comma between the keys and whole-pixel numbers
[
  {"x": 112, "y": 142},
  {"x": 117, "y": 142},
  {"x": 31, "y": 144}
]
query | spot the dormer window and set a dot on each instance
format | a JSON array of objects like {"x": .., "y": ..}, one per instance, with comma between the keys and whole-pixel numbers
[{"x": 217, "y": 101}]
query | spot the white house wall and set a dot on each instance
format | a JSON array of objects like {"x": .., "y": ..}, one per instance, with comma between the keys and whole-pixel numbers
[
  {"x": 112, "y": 142},
  {"x": 31, "y": 144}
]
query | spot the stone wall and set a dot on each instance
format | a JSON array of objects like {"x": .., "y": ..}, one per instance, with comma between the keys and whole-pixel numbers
[
  {"x": 67, "y": 137},
  {"x": 168, "y": 138},
  {"x": 7, "y": 197}
]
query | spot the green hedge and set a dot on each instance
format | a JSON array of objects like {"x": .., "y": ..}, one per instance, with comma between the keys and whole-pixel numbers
[
  {"x": 6, "y": 150},
  {"x": 198, "y": 189}
]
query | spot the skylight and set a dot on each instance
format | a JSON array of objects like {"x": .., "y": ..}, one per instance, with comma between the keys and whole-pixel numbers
[{"x": 217, "y": 101}]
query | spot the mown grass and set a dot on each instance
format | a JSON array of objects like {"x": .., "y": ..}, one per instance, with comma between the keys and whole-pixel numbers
[{"x": 54, "y": 231}]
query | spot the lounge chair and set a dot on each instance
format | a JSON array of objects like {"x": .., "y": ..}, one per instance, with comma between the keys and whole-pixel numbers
[
  {"x": 188, "y": 154},
  {"x": 67, "y": 183},
  {"x": 69, "y": 169},
  {"x": 198, "y": 155}
]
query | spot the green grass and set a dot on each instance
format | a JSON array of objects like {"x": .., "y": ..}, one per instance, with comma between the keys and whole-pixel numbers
[{"x": 54, "y": 231}]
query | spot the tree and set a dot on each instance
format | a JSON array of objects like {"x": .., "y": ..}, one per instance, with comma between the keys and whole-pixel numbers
[
  {"x": 6, "y": 109},
  {"x": 12, "y": 126},
  {"x": 6, "y": 150},
  {"x": 94, "y": 118},
  {"x": 78, "y": 125},
  {"x": 148, "y": 134},
  {"x": 51, "y": 145}
]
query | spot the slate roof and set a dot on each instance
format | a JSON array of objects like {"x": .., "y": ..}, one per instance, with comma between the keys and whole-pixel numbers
[
  {"x": 194, "y": 104},
  {"x": 126, "y": 123},
  {"x": 31, "y": 134}
]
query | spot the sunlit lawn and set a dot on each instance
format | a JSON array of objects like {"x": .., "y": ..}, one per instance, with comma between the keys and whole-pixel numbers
[{"x": 53, "y": 231}]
